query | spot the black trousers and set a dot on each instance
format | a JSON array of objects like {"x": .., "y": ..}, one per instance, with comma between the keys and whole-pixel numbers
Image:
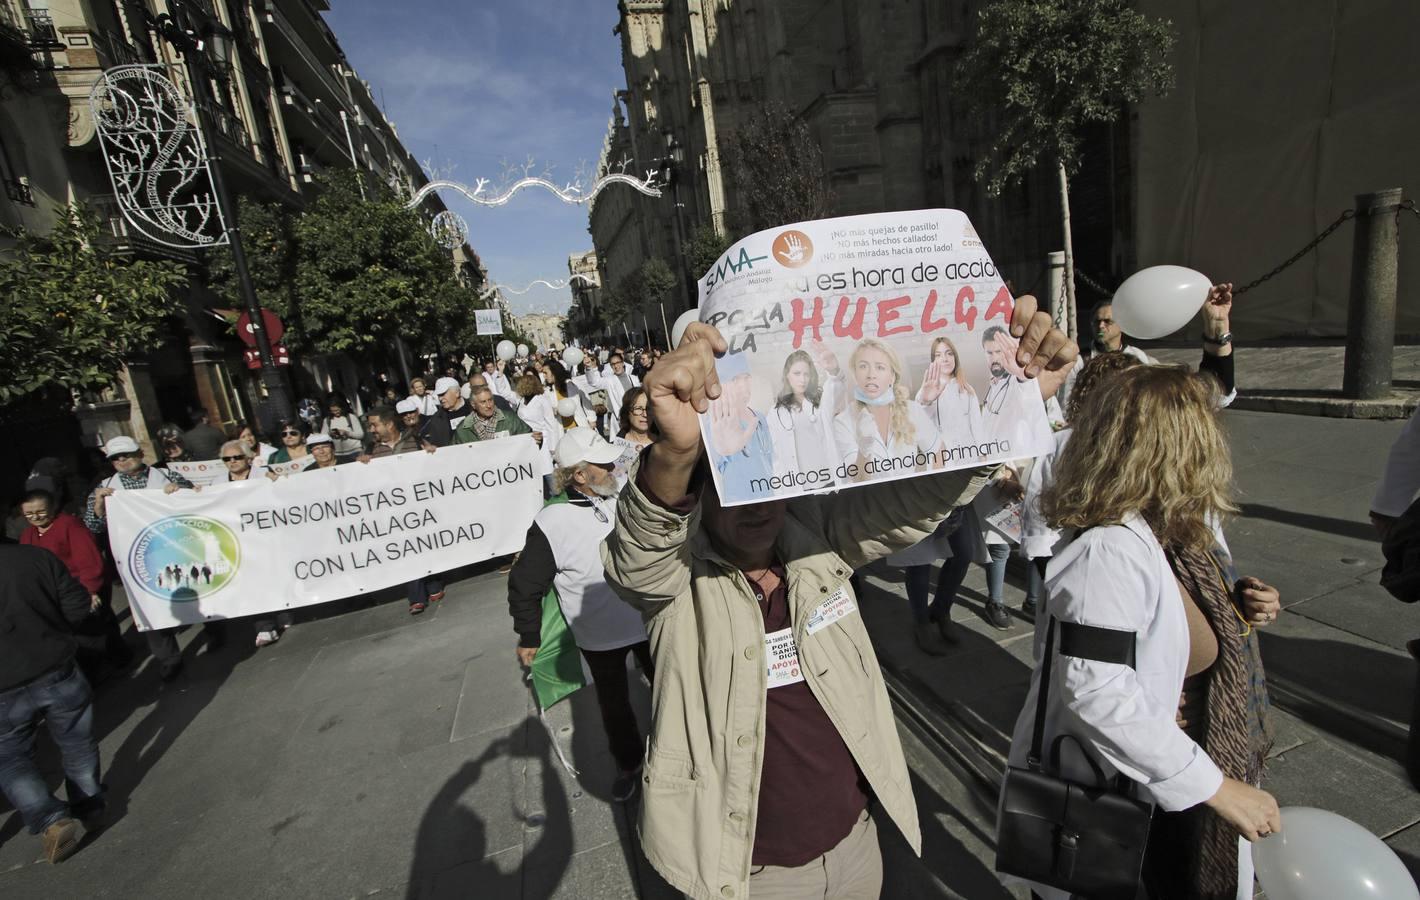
[
  {"x": 163, "y": 644},
  {"x": 614, "y": 697}
]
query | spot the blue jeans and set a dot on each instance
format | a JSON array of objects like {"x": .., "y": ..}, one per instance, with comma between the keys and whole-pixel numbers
[
  {"x": 996, "y": 572},
  {"x": 62, "y": 698},
  {"x": 420, "y": 588}
]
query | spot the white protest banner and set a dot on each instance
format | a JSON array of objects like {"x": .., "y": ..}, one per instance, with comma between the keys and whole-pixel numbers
[
  {"x": 239, "y": 548},
  {"x": 202, "y": 472},
  {"x": 863, "y": 349},
  {"x": 488, "y": 321},
  {"x": 291, "y": 467}
]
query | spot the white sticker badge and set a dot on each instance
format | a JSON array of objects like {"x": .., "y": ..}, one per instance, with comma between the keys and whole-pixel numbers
[
  {"x": 831, "y": 610},
  {"x": 781, "y": 658}
]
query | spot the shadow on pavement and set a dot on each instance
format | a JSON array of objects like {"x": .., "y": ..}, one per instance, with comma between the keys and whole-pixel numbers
[
  {"x": 1361, "y": 531},
  {"x": 945, "y": 860},
  {"x": 451, "y": 836},
  {"x": 1345, "y": 678},
  {"x": 178, "y": 704}
]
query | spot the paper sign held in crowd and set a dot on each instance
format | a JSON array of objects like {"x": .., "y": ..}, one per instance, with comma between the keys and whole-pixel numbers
[
  {"x": 863, "y": 349},
  {"x": 240, "y": 548}
]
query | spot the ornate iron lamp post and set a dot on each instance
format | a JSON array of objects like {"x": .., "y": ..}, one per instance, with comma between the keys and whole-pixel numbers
[{"x": 193, "y": 32}]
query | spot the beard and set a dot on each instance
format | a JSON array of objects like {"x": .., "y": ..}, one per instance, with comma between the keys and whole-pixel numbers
[
  {"x": 997, "y": 370},
  {"x": 607, "y": 490}
]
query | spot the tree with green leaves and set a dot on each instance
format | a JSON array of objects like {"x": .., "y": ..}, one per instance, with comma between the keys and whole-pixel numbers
[
  {"x": 75, "y": 311},
  {"x": 1038, "y": 71},
  {"x": 639, "y": 294},
  {"x": 350, "y": 273},
  {"x": 703, "y": 249},
  {"x": 776, "y": 169}
]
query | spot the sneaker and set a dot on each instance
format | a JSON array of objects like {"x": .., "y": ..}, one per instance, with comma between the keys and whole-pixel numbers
[
  {"x": 929, "y": 639},
  {"x": 998, "y": 617},
  {"x": 60, "y": 840},
  {"x": 624, "y": 787},
  {"x": 263, "y": 638},
  {"x": 416, "y": 608},
  {"x": 436, "y": 597},
  {"x": 1028, "y": 607}
]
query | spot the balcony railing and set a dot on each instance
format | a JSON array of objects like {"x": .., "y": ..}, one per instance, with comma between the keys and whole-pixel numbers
[
  {"x": 227, "y": 125},
  {"x": 41, "y": 28},
  {"x": 120, "y": 235},
  {"x": 116, "y": 50}
]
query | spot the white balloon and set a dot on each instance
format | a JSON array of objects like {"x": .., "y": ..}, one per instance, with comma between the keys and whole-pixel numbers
[
  {"x": 567, "y": 407},
  {"x": 505, "y": 350},
  {"x": 1319, "y": 855},
  {"x": 572, "y": 357},
  {"x": 1159, "y": 300},
  {"x": 682, "y": 323},
  {"x": 523, "y": 350}
]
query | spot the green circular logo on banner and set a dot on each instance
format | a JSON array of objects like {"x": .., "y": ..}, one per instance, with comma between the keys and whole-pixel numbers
[{"x": 183, "y": 559}]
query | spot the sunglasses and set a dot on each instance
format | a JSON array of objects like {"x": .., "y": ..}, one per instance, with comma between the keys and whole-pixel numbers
[
  {"x": 232, "y": 458},
  {"x": 290, "y": 434},
  {"x": 124, "y": 456}
]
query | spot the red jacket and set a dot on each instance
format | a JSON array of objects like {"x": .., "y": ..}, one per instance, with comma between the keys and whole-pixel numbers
[{"x": 69, "y": 540}]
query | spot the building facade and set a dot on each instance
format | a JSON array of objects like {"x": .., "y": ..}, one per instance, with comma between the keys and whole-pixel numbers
[
  {"x": 1230, "y": 173},
  {"x": 542, "y": 330},
  {"x": 284, "y": 105}
]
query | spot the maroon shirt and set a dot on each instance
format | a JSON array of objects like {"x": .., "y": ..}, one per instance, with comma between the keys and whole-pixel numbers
[{"x": 810, "y": 789}]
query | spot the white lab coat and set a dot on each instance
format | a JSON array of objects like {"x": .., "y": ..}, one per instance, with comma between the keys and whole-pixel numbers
[
  {"x": 1038, "y": 539},
  {"x": 540, "y": 414},
  {"x": 428, "y": 404},
  {"x": 1013, "y": 411},
  {"x": 803, "y": 438},
  {"x": 1118, "y": 577},
  {"x": 607, "y": 380},
  {"x": 956, "y": 413},
  {"x": 1401, "y": 482},
  {"x": 856, "y": 423}
]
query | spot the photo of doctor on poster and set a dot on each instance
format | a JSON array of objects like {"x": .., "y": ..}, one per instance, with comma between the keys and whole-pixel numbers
[{"x": 863, "y": 349}]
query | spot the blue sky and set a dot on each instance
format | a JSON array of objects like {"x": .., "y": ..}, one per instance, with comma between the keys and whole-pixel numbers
[{"x": 470, "y": 87}]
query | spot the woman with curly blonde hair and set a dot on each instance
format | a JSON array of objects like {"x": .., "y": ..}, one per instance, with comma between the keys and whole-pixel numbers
[
  {"x": 1181, "y": 709},
  {"x": 880, "y": 427}
]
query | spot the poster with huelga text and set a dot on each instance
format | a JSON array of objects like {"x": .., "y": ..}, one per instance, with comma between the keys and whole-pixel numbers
[{"x": 863, "y": 349}]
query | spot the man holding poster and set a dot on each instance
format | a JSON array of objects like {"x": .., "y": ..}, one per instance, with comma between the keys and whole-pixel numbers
[
  {"x": 916, "y": 310},
  {"x": 772, "y": 726}
]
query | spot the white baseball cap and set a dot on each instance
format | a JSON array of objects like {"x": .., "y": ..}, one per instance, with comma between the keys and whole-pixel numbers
[
  {"x": 445, "y": 384},
  {"x": 584, "y": 445},
  {"x": 121, "y": 444},
  {"x": 318, "y": 438},
  {"x": 406, "y": 406}
]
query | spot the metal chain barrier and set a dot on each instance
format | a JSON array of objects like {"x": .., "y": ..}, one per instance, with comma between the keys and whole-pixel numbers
[{"x": 1310, "y": 246}]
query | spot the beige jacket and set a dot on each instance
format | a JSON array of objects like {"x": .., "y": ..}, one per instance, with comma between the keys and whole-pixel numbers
[{"x": 704, "y": 756}]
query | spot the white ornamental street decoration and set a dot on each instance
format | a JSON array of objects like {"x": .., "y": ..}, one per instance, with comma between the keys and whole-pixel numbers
[
  {"x": 571, "y": 193},
  {"x": 449, "y": 229},
  {"x": 556, "y": 284},
  {"x": 156, "y": 159}
]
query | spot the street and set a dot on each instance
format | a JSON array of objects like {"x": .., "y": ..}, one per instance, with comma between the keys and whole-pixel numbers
[{"x": 371, "y": 754}]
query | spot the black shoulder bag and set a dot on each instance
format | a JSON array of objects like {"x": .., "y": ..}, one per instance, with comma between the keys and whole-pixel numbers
[{"x": 1085, "y": 839}]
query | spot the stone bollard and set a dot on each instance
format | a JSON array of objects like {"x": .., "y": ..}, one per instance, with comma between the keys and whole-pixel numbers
[{"x": 1370, "y": 321}]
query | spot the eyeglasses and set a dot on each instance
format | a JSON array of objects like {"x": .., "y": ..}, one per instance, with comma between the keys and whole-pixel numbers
[
  {"x": 37, "y": 515},
  {"x": 292, "y": 433},
  {"x": 638, "y": 410},
  {"x": 123, "y": 456},
  {"x": 232, "y": 458}
]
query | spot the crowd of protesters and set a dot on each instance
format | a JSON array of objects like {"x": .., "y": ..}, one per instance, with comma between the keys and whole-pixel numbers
[{"x": 759, "y": 782}]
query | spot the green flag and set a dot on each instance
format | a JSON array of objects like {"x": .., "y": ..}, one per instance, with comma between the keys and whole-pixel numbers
[{"x": 557, "y": 668}]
